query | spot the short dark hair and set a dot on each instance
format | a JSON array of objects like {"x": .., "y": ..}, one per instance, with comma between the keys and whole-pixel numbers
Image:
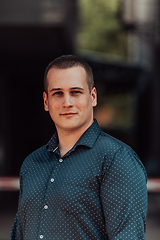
[{"x": 69, "y": 61}]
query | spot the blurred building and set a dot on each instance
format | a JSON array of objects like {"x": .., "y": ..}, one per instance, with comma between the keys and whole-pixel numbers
[
  {"x": 32, "y": 33},
  {"x": 141, "y": 18}
]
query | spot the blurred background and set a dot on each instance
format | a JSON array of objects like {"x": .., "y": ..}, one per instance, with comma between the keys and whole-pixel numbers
[{"x": 120, "y": 39}]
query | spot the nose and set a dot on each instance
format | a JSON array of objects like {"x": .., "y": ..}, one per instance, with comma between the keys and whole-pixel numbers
[{"x": 67, "y": 101}]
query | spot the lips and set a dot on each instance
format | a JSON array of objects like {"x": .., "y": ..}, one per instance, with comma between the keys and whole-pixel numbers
[{"x": 68, "y": 114}]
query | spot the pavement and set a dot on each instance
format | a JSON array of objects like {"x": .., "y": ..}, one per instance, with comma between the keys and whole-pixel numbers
[{"x": 8, "y": 208}]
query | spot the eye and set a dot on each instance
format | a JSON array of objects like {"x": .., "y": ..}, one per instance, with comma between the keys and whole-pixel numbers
[
  {"x": 76, "y": 92},
  {"x": 59, "y": 93}
]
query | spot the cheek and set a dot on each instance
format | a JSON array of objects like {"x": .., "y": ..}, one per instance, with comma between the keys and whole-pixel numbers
[
  {"x": 54, "y": 104},
  {"x": 81, "y": 103},
  {"x": 84, "y": 104}
]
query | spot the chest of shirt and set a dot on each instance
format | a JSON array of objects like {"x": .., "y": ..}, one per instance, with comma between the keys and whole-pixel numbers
[{"x": 70, "y": 183}]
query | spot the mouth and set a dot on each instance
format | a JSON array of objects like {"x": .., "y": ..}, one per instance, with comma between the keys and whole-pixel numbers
[{"x": 68, "y": 114}]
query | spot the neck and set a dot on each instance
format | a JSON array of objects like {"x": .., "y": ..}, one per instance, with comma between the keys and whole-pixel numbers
[
  {"x": 66, "y": 142},
  {"x": 67, "y": 139}
]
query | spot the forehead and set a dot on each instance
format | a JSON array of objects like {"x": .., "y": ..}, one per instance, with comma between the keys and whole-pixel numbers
[{"x": 71, "y": 77}]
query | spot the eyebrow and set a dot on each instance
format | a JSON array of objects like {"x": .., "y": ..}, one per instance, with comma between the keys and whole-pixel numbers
[
  {"x": 60, "y": 89},
  {"x": 55, "y": 89}
]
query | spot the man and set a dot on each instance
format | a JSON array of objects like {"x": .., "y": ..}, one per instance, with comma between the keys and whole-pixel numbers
[{"x": 84, "y": 184}]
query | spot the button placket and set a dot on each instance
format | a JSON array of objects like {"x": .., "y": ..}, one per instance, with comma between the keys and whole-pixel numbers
[{"x": 47, "y": 207}]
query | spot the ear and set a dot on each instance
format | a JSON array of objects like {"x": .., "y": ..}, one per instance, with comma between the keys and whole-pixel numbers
[
  {"x": 45, "y": 99},
  {"x": 94, "y": 96}
]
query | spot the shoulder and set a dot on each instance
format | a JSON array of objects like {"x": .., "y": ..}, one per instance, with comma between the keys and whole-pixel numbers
[
  {"x": 118, "y": 154},
  {"x": 112, "y": 140},
  {"x": 110, "y": 145},
  {"x": 41, "y": 154}
]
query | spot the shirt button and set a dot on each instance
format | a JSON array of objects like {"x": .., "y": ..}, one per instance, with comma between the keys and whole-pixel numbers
[
  {"x": 52, "y": 179},
  {"x": 60, "y": 160},
  {"x": 41, "y": 236},
  {"x": 45, "y": 207}
]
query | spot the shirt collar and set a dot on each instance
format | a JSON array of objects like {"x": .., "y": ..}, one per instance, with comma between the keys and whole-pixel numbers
[
  {"x": 52, "y": 145},
  {"x": 87, "y": 139}
]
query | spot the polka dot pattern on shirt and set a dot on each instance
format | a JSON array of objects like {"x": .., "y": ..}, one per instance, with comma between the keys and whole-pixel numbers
[{"x": 96, "y": 191}]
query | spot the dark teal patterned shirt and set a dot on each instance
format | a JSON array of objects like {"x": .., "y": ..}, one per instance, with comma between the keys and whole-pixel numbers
[{"x": 96, "y": 191}]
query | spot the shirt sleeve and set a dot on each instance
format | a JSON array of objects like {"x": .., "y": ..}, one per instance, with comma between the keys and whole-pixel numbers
[
  {"x": 16, "y": 233},
  {"x": 17, "y": 229},
  {"x": 124, "y": 196}
]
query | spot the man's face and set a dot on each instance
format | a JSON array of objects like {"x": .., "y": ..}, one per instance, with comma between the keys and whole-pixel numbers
[{"x": 69, "y": 102}]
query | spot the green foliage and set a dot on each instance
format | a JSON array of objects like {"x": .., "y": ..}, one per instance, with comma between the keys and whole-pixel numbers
[{"x": 100, "y": 29}]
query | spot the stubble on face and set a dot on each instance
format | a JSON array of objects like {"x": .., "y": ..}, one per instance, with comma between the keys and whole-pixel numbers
[{"x": 69, "y": 100}]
